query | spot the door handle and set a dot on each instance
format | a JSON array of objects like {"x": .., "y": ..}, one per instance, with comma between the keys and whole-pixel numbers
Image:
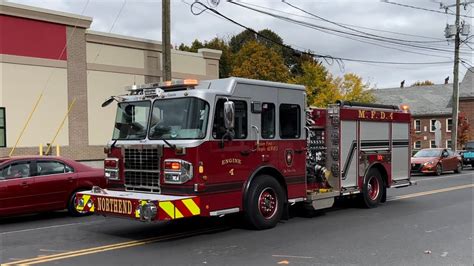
[
  {"x": 24, "y": 184},
  {"x": 70, "y": 179}
]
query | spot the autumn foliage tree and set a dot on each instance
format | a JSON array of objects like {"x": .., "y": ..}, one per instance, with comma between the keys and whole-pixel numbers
[
  {"x": 463, "y": 129},
  {"x": 422, "y": 83},
  {"x": 256, "y": 61}
]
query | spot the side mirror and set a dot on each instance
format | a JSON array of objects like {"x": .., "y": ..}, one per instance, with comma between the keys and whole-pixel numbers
[
  {"x": 108, "y": 101},
  {"x": 444, "y": 155},
  {"x": 229, "y": 114}
]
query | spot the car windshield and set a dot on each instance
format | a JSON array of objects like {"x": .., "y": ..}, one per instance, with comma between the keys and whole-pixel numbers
[
  {"x": 181, "y": 118},
  {"x": 470, "y": 146},
  {"x": 428, "y": 153},
  {"x": 131, "y": 120}
]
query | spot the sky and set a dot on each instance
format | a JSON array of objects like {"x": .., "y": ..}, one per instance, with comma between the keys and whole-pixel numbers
[{"x": 409, "y": 35}]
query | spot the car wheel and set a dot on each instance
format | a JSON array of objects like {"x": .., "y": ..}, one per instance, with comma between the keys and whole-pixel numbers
[
  {"x": 264, "y": 203},
  {"x": 458, "y": 169},
  {"x": 439, "y": 170},
  {"x": 71, "y": 207},
  {"x": 372, "y": 190}
]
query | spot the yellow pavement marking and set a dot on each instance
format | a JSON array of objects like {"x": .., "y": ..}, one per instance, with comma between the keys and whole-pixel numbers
[
  {"x": 82, "y": 252},
  {"x": 430, "y": 192}
]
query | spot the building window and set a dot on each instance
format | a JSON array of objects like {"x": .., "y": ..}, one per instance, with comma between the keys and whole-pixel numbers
[
  {"x": 449, "y": 124},
  {"x": 448, "y": 144},
  {"x": 417, "y": 125},
  {"x": 3, "y": 131},
  {"x": 432, "y": 125},
  {"x": 417, "y": 145},
  {"x": 432, "y": 144}
]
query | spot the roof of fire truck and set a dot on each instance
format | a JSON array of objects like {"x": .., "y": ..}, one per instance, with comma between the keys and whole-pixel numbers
[{"x": 192, "y": 87}]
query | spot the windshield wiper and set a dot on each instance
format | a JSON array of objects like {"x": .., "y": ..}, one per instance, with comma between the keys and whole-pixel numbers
[{"x": 172, "y": 146}]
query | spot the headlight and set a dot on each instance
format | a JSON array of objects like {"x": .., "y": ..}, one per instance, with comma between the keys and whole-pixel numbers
[
  {"x": 430, "y": 162},
  {"x": 111, "y": 174},
  {"x": 177, "y": 171}
]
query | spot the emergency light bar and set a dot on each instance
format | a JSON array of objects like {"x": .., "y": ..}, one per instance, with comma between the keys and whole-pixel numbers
[{"x": 165, "y": 85}]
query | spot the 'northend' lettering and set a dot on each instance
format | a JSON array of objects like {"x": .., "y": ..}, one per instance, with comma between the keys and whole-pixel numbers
[
  {"x": 114, "y": 205},
  {"x": 375, "y": 115}
]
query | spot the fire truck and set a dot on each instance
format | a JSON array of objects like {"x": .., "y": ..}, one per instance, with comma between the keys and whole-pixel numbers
[{"x": 211, "y": 148}]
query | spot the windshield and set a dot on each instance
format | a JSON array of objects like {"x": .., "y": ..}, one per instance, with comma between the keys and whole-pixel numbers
[
  {"x": 183, "y": 118},
  {"x": 428, "y": 153},
  {"x": 470, "y": 146},
  {"x": 131, "y": 120}
]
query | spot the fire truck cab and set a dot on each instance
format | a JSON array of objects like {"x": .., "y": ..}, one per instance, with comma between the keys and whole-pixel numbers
[{"x": 211, "y": 148}]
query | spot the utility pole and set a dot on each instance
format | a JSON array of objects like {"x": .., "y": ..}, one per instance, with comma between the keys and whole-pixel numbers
[
  {"x": 457, "y": 43},
  {"x": 165, "y": 35}
]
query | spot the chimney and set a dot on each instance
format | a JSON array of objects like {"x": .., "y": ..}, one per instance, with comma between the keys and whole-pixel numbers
[
  {"x": 446, "y": 80},
  {"x": 402, "y": 84}
]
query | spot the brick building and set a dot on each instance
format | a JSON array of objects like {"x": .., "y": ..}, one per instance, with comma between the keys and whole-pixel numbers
[
  {"x": 52, "y": 60},
  {"x": 429, "y": 104}
]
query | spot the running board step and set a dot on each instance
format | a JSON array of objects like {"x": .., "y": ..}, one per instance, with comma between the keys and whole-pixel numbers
[{"x": 402, "y": 183}]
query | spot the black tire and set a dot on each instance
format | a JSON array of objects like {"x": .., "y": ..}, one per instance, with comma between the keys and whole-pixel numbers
[
  {"x": 71, "y": 208},
  {"x": 458, "y": 169},
  {"x": 439, "y": 170},
  {"x": 373, "y": 189},
  {"x": 263, "y": 205}
]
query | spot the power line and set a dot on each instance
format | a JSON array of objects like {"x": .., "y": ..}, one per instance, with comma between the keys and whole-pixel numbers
[
  {"x": 350, "y": 25},
  {"x": 422, "y": 8},
  {"x": 314, "y": 26},
  {"x": 206, "y": 8}
]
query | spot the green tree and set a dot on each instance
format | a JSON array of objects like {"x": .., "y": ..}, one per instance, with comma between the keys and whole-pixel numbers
[
  {"x": 315, "y": 77},
  {"x": 237, "y": 41},
  {"x": 423, "y": 83},
  {"x": 255, "y": 61}
]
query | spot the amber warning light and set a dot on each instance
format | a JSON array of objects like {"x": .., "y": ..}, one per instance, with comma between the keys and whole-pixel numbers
[{"x": 405, "y": 108}]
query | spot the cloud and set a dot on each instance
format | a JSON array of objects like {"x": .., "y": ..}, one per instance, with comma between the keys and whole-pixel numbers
[{"x": 142, "y": 18}]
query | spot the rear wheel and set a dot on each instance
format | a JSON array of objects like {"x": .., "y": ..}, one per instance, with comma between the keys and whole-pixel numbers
[
  {"x": 71, "y": 207},
  {"x": 372, "y": 191},
  {"x": 458, "y": 169},
  {"x": 264, "y": 202},
  {"x": 439, "y": 170}
]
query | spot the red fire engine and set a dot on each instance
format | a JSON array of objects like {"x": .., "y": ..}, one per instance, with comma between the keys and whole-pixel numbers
[{"x": 212, "y": 148}]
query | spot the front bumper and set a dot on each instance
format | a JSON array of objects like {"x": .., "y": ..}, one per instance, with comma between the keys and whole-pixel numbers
[
  {"x": 468, "y": 160},
  {"x": 423, "y": 169},
  {"x": 136, "y": 205}
]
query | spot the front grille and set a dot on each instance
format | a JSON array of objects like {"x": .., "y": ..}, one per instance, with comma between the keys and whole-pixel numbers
[
  {"x": 139, "y": 179},
  {"x": 416, "y": 166},
  {"x": 142, "y": 159},
  {"x": 142, "y": 167}
]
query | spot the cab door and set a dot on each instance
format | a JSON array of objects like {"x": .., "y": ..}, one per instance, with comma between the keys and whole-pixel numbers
[
  {"x": 16, "y": 194},
  {"x": 54, "y": 182}
]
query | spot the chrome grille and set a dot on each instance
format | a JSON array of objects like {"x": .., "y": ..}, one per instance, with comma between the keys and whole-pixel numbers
[{"x": 142, "y": 167}]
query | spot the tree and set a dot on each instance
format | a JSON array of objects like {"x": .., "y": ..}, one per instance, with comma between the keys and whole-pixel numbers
[
  {"x": 315, "y": 77},
  {"x": 463, "y": 129},
  {"x": 239, "y": 40},
  {"x": 423, "y": 83},
  {"x": 350, "y": 87},
  {"x": 255, "y": 61}
]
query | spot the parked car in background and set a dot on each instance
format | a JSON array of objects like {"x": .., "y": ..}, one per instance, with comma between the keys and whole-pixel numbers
[
  {"x": 436, "y": 161},
  {"x": 33, "y": 184},
  {"x": 468, "y": 153}
]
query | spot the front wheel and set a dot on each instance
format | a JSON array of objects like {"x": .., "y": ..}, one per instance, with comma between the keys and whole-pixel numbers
[
  {"x": 372, "y": 191},
  {"x": 264, "y": 202},
  {"x": 458, "y": 169}
]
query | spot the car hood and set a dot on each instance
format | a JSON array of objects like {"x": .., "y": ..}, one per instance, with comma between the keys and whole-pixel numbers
[{"x": 423, "y": 159}]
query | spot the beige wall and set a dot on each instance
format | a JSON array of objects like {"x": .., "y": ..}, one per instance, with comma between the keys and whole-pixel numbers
[
  {"x": 100, "y": 86},
  {"x": 115, "y": 56},
  {"x": 189, "y": 63},
  {"x": 20, "y": 88}
]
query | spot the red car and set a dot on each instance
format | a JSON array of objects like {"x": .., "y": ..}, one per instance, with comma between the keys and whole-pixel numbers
[
  {"x": 42, "y": 183},
  {"x": 436, "y": 161}
]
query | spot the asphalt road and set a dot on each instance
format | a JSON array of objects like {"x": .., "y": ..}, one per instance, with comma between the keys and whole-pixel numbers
[{"x": 427, "y": 224}]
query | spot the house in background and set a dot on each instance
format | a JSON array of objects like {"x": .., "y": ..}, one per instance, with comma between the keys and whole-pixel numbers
[{"x": 429, "y": 104}]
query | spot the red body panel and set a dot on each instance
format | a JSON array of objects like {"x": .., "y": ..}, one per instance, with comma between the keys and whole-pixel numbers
[{"x": 27, "y": 37}]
